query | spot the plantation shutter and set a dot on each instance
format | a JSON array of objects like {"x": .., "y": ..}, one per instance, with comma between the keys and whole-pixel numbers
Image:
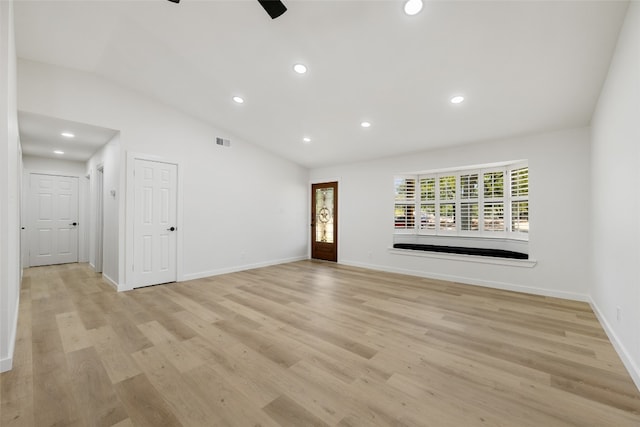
[
  {"x": 490, "y": 202},
  {"x": 493, "y": 201},
  {"x": 428, "y": 203},
  {"x": 447, "y": 198},
  {"x": 469, "y": 187},
  {"x": 520, "y": 200},
  {"x": 405, "y": 203}
]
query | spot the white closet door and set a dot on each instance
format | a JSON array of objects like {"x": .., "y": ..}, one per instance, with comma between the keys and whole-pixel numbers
[
  {"x": 53, "y": 225},
  {"x": 155, "y": 223}
]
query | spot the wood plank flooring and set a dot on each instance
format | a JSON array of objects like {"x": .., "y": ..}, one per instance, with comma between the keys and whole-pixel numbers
[{"x": 307, "y": 344}]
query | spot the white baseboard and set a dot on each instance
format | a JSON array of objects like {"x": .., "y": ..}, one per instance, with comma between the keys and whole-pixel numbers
[
  {"x": 627, "y": 360},
  {"x": 473, "y": 281},
  {"x": 200, "y": 275},
  {"x": 6, "y": 364},
  {"x": 110, "y": 281}
]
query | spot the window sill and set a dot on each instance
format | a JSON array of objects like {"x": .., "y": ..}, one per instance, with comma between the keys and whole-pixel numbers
[{"x": 526, "y": 263}]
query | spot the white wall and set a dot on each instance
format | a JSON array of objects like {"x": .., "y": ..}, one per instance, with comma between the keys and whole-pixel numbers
[
  {"x": 616, "y": 196},
  {"x": 109, "y": 158},
  {"x": 10, "y": 173},
  {"x": 242, "y": 206},
  {"x": 35, "y": 164},
  {"x": 57, "y": 166},
  {"x": 559, "y": 177}
]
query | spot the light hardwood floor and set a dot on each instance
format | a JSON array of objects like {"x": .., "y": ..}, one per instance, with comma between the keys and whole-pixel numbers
[{"x": 307, "y": 344}]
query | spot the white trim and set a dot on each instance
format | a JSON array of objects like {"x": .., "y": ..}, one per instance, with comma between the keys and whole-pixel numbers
[
  {"x": 179, "y": 217},
  {"x": 40, "y": 172},
  {"x": 6, "y": 364},
  {"x": 98, "y": 250},
  {"x": 528, "y": 263},
  {"x": 627, "y": 360},
  {"x": 110, "y": 281},
  {"x": 515, "y": 163},
  {"x": 128, "y": 279},
  {"x": 202, "y": 274},
  {"x": 476, "y": 282}
]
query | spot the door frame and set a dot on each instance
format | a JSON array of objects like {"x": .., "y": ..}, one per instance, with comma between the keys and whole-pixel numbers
[
  {"x": 339, "y": 227},
  {"x": 129, "y": 277},
  {"x": 25, "y": 216},
  {"x": 99, "y": 225}
]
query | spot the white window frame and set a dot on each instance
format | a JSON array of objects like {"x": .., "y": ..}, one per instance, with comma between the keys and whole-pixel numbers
[
  {"x": 506, "y": 200},
  {"x": 398, "y": 203}
]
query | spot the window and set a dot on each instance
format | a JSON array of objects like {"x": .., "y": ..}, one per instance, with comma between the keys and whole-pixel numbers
[
  {"x": 520, "y": 200},
  {"x": 405, "y": 204},
  {"x": 428, "y": 203},
  {"x": 469, "y": 219},
  {"x": 483, "y": 202}
]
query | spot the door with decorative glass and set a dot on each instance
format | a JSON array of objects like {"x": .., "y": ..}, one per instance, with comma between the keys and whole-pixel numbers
[{"x": 324, "y": 221}]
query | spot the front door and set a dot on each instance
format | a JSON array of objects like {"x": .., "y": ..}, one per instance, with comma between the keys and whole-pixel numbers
[
  {"x": 53, "y": 219},
  {"x": 155, "y": 207},
  {"x": 324, "y": 221}
]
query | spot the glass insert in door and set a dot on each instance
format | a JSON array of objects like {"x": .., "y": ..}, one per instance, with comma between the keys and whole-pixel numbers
[{"x": 324, "y": 215}]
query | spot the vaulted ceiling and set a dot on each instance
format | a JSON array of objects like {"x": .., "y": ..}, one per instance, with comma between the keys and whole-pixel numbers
[{"x": 523, "y": 67}]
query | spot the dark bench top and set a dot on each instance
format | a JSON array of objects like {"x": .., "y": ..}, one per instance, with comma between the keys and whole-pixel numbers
[{"x": 498, "y": 253}]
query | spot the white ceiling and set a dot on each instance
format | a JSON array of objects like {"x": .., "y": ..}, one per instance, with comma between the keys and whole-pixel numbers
[
  {"x": 41, "y": 135},
  {"x": 523, "y": 66}
]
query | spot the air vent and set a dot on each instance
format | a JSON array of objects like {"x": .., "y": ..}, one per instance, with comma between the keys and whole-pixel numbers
[{"x": 223, "y": 142}]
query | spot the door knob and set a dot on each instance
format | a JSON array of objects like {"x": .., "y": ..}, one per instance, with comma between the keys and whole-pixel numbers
[
  {"x": 74, "y": 224},
  {"x": 171, "y": 229}
]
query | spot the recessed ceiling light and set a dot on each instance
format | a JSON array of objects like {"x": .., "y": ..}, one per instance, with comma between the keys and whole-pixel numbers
[
  {"x": 306, "y": 140},
  {"x": 412, "y": 7},
  {"x": 365, "y": 124},
  {"x": 238, "y": 99},
  {"x": 67, "y": 134},
  {"x": 457, "y": 99},
  {"x": 300, "y": 68},
  {"x": 59, "y": 152}
]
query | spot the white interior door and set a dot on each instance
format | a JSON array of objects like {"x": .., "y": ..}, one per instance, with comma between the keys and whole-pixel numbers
[
  {"x": 155, "y": 208},
  {"x": 53, "y": 225}
]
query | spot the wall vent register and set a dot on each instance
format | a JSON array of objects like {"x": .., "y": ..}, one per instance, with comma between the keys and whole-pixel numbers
[{"x": 223, "y": 142}]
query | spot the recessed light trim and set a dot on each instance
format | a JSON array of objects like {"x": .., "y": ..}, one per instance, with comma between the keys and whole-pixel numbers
[
  {"x": 238, "y": 99},
  {"x": 413, "y": 7},
  {"x": 58, "y": 152},
  {"x": 306, "y": 140},
  {"x": 457, "y": 99},
  {"x": 300, "y": 68},
  {"x": 365, "y": 124},
  {"x": 67, "y": 135}
]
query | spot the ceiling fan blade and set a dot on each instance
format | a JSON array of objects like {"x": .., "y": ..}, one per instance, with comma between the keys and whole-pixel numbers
[{"x": 274, "y": 8}]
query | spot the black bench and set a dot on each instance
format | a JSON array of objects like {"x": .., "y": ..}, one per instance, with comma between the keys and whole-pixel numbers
[{"x": 497, "y": 253}]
